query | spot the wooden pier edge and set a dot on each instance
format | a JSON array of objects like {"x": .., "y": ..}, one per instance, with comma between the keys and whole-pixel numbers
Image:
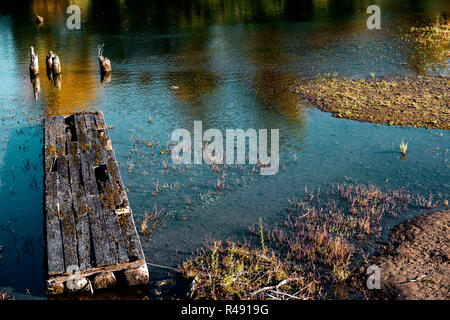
[{"x": 91, "y": 238}]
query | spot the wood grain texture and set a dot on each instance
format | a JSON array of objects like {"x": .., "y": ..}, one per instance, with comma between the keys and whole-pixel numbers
[{"x": 89, "y": 224}]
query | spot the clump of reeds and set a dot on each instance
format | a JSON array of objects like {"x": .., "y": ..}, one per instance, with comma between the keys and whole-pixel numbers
[
  {"x": 5, "y": 296},
  {"x": 321, "y": 238},
  {"x": 403, "y": 147},
  {"x": 154, "y": 218},
  {"x": 233, "y": 270},
  {"x": 220, "y": 184},
  {"x": 322, "y": 229}
]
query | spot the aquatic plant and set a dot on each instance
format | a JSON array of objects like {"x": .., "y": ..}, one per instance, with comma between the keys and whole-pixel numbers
[
  {"x": 237, "y": 271},
  {"x": 154, "y": 218},
  {"x": 5, "y": 296},
  {"x": 403, "y": 147},
  {"x": 261, "y": 234},
  {"x": 323, "y": 235},
  {"x": 430, "y": 46},
  {"x": 220, "y": 184}
]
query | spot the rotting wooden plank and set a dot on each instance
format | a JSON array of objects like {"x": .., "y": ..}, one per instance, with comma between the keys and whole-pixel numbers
[
  {"x": 97, "y": 225},
  {"x": 80, "y": 128},
  {"x": 133, "y": 244},
  {"x": 108, "y": 241},
  {"x": 103, "y": 244},
  {"x": 79, "y": 206},
  {"x": 100, "y": 121},
  {"x": 114, "y": 195},
  {"x": 102, "y": 130},
  {"x": 100, "y": 236},
  {"x": 64, "y": 198},
  {"x": 95, "y": 270},
  {"x": 103, "y": 143},
  {"x": 115, "y": 179},
  {"x": 88, "y": 175},
  {"x": 123, "y": 210},
  {"x": 86, "y": 203},
  {"x": 55, "y": 254},
  {"x": 107, "y": 195},
  {"x": 114, "y": 185},
  {"x": 115, "y": 232},
  {"x": 78, "y": 195},
  {"x": 55, "y": 257}
]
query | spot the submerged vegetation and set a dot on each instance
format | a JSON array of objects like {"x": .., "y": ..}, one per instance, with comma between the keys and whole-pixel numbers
[
  {"x": 420, "y": 101},
  {"x": 305, "y": 255},
  {"x": 430, "y": 46},
  {"x": 154, "y": 219}
]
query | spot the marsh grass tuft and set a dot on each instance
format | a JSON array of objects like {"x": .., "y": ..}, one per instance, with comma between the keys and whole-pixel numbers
[
  {"x": 155, "y": 219},
  {"x": 232, "y": 270},
  {"x": 5, "y": 296},
  {"x": 261, "y": 234},
  {"x": 403, "y": 147}
]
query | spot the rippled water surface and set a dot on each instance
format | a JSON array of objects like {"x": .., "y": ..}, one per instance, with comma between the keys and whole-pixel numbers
[{"x": 230, "y": 64}]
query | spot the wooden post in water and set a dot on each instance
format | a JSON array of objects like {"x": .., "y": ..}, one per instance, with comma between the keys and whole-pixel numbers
[
  {"x": 91, "y": 238},
  {"x": 34, "y": 63},
  {"x": 105, "y": 65}
]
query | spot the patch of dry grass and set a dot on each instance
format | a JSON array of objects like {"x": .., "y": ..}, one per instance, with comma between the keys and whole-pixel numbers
[
  {"x": 313, "y": 248},
  {"x": 232, "y": 270},
  {"x": 420, "y": 101}
]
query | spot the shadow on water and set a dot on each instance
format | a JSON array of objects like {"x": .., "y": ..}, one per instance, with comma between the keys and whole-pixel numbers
[{"x": 21, "y": 221}]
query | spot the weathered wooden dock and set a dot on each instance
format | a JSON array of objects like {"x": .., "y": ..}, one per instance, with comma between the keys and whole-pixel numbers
[{"x": 91, "y": 238}]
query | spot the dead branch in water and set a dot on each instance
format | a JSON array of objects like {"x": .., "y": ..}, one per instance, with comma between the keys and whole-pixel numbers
[
  {"x": 39, "y": 19},
  {"x": 105, "y": 64}
]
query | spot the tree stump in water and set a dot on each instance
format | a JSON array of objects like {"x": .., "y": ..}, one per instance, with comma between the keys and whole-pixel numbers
[
  {"x": 34, "y": 63},
  {"x": 56, "y": 65},
  {"x": 39, "y": 19},
  {"x": 105, "y": 64},
  {"x": 49, "y": 62}
]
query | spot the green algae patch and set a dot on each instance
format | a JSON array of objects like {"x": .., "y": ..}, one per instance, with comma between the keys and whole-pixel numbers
[{"x": 420, "y": 101}]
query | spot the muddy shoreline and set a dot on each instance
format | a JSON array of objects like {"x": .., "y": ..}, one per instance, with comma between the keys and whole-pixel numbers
[
  {"x": 419, "y": 101},
  {"x": 414, "y": 265}
]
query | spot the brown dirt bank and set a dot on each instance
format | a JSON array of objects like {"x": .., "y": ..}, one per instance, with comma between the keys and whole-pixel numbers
[
  {"x": 415, "y": 264},
  {"x": 420, "y": 101}
]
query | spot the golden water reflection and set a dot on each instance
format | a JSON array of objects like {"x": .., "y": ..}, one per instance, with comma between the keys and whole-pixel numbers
[{"x": 195, "y": 76}]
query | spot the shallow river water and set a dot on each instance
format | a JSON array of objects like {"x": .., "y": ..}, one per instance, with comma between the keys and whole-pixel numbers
[{"x": 229, "y": 64}]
